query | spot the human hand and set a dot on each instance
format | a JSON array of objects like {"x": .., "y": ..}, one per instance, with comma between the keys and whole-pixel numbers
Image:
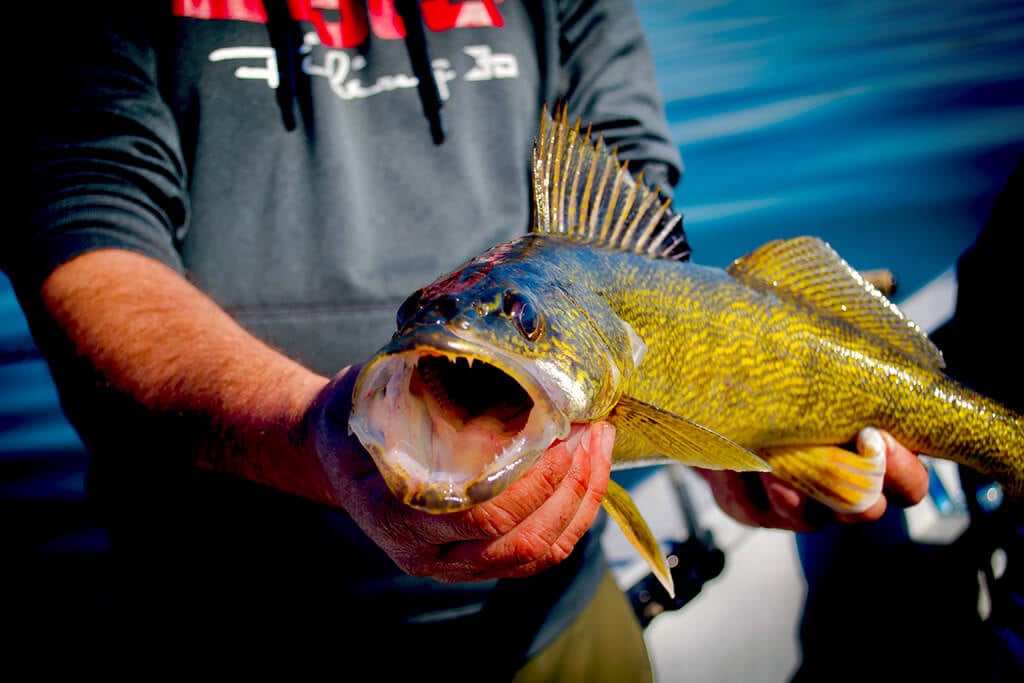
[
  {"x": 532, "y": 525},
  {"x": 762, "y": 499}
]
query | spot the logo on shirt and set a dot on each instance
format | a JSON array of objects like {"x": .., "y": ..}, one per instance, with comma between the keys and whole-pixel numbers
[
  {"x": 347, "y": 23},
  {"x": 340, "y": 24}
]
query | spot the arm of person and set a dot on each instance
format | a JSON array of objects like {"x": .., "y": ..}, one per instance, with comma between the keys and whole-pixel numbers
[{"x": 235, "y": 405}]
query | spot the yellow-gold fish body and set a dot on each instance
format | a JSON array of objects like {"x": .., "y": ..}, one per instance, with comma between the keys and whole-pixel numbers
[
  {"x": 789, "y": 350},
  {"x": 770, "y": 364}
]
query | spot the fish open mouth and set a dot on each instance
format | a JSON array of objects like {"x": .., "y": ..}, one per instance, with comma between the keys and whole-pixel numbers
[
  {"x": 451, "y": 424},
  {"x": 462, "y": 393}
]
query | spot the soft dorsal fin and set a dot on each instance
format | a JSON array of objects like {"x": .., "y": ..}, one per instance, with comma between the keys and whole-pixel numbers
[
  {"x": 580, "y": 190},
  {"x": 808, "y": 270}
]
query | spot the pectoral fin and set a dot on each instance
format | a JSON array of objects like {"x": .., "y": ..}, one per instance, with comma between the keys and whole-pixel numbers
[
  {"x": 623, "y": 510},
  {"x": 843, "y": 480},
  {"x": 647, "y": 431}
]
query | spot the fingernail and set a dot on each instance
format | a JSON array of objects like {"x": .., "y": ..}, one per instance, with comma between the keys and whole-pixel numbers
[
  {"x": 576, "y": 439},
  {"x": 870, "y": 438},
  {"x": 872, "y": 444},
  {"x": 607, "y": 442}
]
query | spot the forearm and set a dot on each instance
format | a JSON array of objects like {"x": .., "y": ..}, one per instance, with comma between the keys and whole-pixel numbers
[{"x": 226, "y": 399}]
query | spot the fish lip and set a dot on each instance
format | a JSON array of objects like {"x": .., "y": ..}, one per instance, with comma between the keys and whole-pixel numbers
[{"x": 405, "y": 476}]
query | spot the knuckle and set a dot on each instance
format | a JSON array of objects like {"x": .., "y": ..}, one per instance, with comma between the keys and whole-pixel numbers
[
  {"x": 530, "y": 546},
  {"x": 578, "y": 481},
  {"x": 550, "y": 476},
  {"x": 561, "y": 549},
  {"x": 492, "y": 519}
]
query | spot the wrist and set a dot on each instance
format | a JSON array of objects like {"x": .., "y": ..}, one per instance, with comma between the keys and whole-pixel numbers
[{"x": 337, "y": 456}]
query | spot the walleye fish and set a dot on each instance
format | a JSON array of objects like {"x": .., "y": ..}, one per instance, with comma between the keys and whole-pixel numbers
[{"x": 773, "y": 363}]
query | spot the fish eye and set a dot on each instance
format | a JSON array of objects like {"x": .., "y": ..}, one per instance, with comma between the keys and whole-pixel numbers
[
  {"x": 409, "y": 308},
  {"x": 523, "y": 313}
]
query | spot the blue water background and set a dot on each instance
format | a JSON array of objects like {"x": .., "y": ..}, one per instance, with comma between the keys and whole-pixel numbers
[{"x": 884, "y": 127}]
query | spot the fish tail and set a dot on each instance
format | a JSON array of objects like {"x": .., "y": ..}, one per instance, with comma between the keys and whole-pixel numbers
[
  {"x": 974, "y": 431},
  {"x": 842, "y": 479},
  {"x": 1002, "y": 461}
]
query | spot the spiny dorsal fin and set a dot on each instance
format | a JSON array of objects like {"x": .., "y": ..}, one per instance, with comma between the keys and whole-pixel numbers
[
  {"x": 808, "y": 270},
  {"x": 581, "y": 190}
]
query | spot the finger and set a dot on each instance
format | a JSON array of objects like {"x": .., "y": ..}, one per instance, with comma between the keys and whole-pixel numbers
[
  {"x": 763, "y": 500},
  {"x": 532, "y": 535},
  {"x": 602, "y": 439},
  {"x": 872, "y": 514},
  {"x": 906, "y": 477},
  {"x": 906, "y": 481},
  {"x": 726, "y": 486},
  {"x": 529, "y": 492},
  {"x": 791, "y": 509},
  {"x": 550, "y": 532},
  {"x": 740, "y": 496},
  {"x": 461, "y": 538}
]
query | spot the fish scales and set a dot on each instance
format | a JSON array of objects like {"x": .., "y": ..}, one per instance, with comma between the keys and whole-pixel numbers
[
  {"x": 775, "y": 363},
  {"x": 766, "y": 372}
]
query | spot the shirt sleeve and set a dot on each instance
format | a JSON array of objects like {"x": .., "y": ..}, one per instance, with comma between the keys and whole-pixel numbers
[
  {"x": 100, "y": 160},
  {"x": 609, "y": 79}
]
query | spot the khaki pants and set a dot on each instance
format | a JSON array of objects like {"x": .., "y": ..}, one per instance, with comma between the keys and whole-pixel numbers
[{"x": 605, "y": 643}]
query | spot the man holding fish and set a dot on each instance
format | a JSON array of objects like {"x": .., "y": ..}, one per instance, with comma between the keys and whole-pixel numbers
[{"x": 223, "y": 205}]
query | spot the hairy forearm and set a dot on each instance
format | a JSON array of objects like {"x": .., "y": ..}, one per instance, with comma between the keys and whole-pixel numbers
[{"x": 229, "y": 401}]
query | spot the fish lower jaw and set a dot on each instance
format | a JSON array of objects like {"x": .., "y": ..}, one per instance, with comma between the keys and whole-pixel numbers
[
  {"x": 433, "y": 496},
  {"x": 468, "y": 466}
]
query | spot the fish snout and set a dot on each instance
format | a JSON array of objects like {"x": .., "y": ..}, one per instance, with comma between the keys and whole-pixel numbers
[{"x": 443, "y": 310}]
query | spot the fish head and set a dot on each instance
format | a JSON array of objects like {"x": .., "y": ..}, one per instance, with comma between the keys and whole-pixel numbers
[{"x": 489, "y": 366}]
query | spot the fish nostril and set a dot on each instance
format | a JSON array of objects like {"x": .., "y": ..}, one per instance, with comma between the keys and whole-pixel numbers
[
  {"x": 442, "y": 309},
  {"x": 409, "y": 308}
]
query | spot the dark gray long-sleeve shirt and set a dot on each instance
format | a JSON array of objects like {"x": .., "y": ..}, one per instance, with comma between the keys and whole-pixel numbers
[{"x": 286, "y": 167}]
